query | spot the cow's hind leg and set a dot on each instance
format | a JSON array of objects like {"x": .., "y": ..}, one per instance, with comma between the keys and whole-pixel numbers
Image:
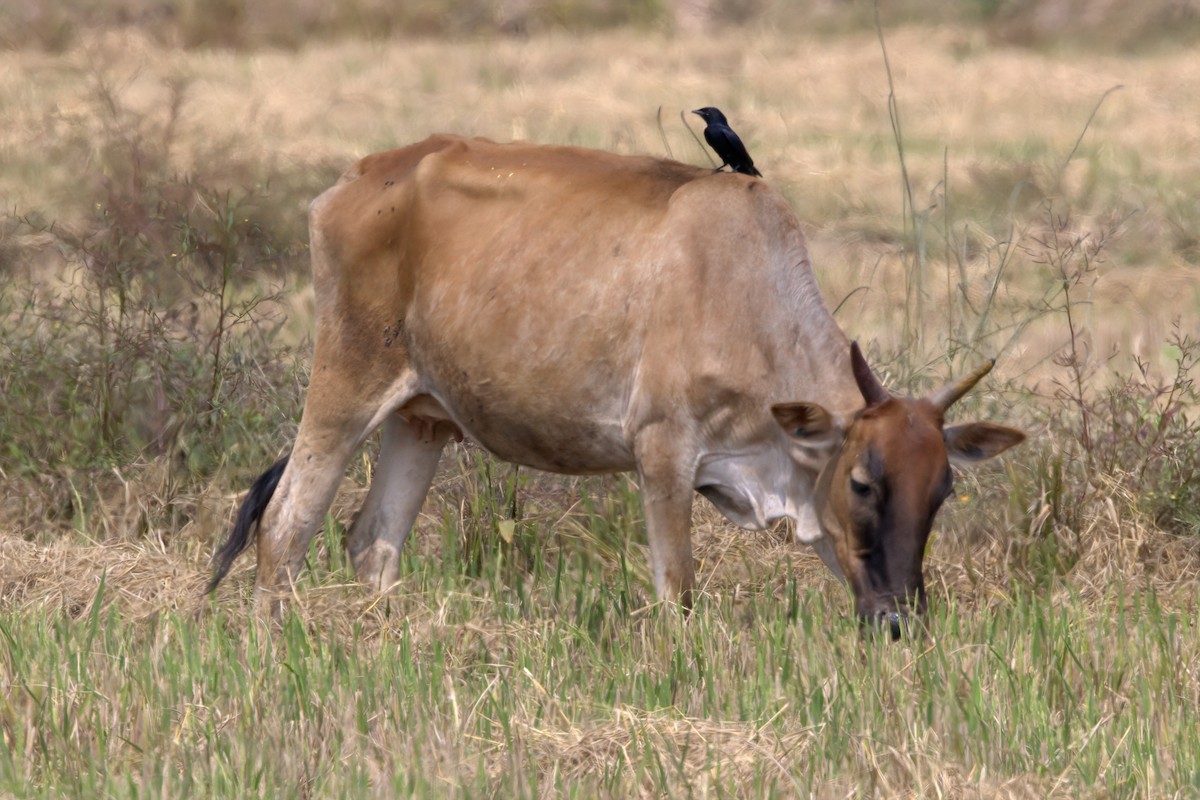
[
  {"x": 334, "y": 424},
  {"x": 408, "y": 458},
  {"x": 296, "y": 512}
]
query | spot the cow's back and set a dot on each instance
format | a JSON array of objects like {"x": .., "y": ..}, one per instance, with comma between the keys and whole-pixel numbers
[{"x": 549, "y": 297}]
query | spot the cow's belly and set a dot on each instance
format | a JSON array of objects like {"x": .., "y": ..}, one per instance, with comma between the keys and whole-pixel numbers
[
  {"x": 570, "y": 449},
  {"x": 576, "y": 438},
  {"x": 545, "y": 384}
]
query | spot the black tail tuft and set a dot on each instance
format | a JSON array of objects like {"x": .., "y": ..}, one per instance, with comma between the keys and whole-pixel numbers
[{"x": 247, "y": 522}]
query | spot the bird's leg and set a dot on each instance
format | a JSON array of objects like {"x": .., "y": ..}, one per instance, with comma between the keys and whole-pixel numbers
[{"x": 723, "y": 166}]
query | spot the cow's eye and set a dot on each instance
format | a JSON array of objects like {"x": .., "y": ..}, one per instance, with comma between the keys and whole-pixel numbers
[{"x": 860, "y": 489}]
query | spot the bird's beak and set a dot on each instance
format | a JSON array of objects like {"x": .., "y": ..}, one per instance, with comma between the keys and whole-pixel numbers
[{"x": 697, "y": 113}]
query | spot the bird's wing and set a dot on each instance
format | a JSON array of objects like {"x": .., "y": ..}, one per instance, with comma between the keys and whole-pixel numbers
[
  {"x": 713, "y": 136},
  {"x": 726, "y": 140},
  {"x": 729, "y": 147}
]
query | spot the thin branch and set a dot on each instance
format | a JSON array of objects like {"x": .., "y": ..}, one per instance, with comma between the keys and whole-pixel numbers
[
  {"x": 699, "y": 143},
  {"x": 1087, "y": 125}
]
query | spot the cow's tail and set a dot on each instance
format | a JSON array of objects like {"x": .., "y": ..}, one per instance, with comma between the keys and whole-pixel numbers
[{"x": 248, "y": 519}]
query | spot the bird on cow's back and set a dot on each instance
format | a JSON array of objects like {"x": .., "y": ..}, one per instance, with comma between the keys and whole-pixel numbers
[{"x": 725, "y": 142}]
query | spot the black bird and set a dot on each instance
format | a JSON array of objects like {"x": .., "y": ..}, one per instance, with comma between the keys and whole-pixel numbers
[{"x": 729, "y": 147}]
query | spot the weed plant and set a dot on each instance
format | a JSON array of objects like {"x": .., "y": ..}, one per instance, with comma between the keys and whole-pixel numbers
[{"x": 154, "y": 337}]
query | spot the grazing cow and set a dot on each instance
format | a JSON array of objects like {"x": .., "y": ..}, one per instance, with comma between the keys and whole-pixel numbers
[{"x": 582, "y": 312}]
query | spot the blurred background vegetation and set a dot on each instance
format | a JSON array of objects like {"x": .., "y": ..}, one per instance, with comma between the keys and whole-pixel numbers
[{"x": 1124, "y": 24}]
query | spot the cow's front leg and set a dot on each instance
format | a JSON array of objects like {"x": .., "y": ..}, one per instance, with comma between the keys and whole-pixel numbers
[{"x": 666, "y": 481}]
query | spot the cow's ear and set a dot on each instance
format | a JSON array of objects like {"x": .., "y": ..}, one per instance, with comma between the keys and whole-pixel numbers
[
  {"x": 813, "y": 431},
  {"x": 978, "y": 441},
  {"x": 803, "y": 420}
]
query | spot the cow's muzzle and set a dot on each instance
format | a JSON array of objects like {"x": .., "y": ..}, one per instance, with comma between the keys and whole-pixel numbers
[{"x": 893, "y": 623}]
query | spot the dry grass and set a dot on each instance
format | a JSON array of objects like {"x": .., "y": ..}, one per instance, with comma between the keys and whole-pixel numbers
[{"x": 150, "y": 572}]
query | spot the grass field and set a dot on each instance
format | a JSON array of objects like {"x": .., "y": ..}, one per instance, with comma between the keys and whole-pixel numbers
[{"x": 156, "y": 327}]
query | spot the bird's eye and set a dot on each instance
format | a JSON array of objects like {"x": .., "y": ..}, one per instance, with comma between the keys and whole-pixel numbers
[{"x": 860, "y": 489}]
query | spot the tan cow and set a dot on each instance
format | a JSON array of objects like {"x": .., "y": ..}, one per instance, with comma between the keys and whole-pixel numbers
[{"x": 583, "y": 312}]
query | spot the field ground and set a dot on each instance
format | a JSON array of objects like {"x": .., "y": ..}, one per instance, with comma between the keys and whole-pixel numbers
[{"x": 157, "y": 314}]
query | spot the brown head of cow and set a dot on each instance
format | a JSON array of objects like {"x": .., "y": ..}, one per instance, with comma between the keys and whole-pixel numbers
[{"x": 889, "y": 473}]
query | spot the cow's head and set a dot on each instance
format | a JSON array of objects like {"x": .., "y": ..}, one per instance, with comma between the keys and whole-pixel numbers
[{"x": 887, "y": 474}]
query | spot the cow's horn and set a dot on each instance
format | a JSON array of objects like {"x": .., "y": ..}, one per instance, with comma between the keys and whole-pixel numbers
[
  {"x": 872, "y": 390},
  {"x": 949, "y": 394}
]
